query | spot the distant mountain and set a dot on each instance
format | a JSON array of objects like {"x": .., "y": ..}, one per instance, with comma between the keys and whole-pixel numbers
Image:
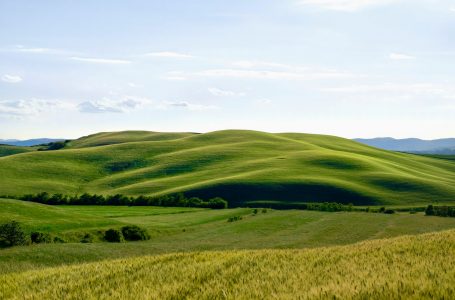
[
  {"x": 439, "y": 146},
  {"x": 28, "y": 143}
]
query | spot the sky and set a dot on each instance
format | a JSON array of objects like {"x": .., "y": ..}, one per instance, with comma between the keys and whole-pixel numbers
[{"x": 351, "y": 68}]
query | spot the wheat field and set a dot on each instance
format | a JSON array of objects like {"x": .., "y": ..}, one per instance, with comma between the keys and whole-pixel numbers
[{"x": 418, "y": 267}]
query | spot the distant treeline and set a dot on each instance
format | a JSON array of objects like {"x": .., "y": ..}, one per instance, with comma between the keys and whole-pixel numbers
[
  {"x": 177, "y": 200},
  {"x": 441, "y": 211}
]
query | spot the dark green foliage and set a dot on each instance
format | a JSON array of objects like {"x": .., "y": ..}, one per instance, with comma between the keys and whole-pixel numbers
[
  {"x": 87, "y": 238},
  {"x": 12, "y": 234},
  {"x": 255, "y": 211},
  {"x": 176, "y": 200},
  {"x": 235, "y": 218},
  {"x": 135, "y": 233},
  {"x": 40, "y": 237},
  {"x": 114, "y": 236},
  {"x": 429, "y": 211},
  {"x": 382, "y": 209},
  {"x": 264, "y": 210},
  {"x": 440, "y": 211},
  {"x": 58, "y": 240},
  {"x": 389, "y": 211}
]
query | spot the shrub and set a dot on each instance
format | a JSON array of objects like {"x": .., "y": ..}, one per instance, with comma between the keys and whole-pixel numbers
[
  {"x": 40, "y": 237},
  {"x": 429, "y": 211},
  {"x": 235, "y": 218},
  {"x": 87, "y": 238},
  {"x": 12, "y": 234},
  {"x": 382, "y": 209},
  {"x": 59, "y": 240},
  {"x": 216, "y": 203},
  {"x": 264, "y": 210},
  {"x": 113, "y": 236},
  {"x": 135, "y": 233},
  {"x": 255, "y": 211},
  {"x": 389, "y": 211}
]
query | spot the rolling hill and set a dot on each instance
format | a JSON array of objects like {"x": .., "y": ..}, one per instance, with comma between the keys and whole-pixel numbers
[{"x": 238, "y": 165}]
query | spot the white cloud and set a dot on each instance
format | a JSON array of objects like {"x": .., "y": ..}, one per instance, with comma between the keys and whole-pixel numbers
[
  {"x": 401, "y": 56},
  {"x": 107, "y": 105},
  {"x": 224, "y": 93},
  {"x": 272, "y": 75},
  {"x": 344, "y": 5},
  {"x": 11, "y": 78},
  {"x": 189, "y": 106},
  {"x": 168, "y": 54},
  {"x": 101, "y": 60},
  {"x": 28, "y": 107},
  {"x": 452, "y": 8}
]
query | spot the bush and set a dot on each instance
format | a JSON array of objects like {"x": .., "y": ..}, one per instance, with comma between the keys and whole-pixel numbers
[
  {"x": 87, "y": 238},
  {"x": 40, "y": 238},
  {"x": 59, "y": 240},
  {"x": 264, "y": 210},
  {"x": 235, "y": 218},
  {"x": 255, "y": 211},
  {"x": 12, "y": 234},
  {"x": 135, "y": 233},
  {"x": 114, "y": 236},
  {"x": 429, "y": 211},
  {"x": 389, "y": 211}
]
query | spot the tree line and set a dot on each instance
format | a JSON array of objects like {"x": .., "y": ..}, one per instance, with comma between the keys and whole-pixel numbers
[
  {"x": 440, "y": 211},
  {"x": 175, "y": 200}
]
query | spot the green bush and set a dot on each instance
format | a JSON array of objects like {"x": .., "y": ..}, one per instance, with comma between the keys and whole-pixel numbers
[
  {"x": 40, "y": 237},
  {"x": 234, "y": 219},
  {"x": 114, "y": 236},
  {"x": 59, "y": 240},
  {"x": 389, "y": 211},
  {"x": 12, "y": 234},
  {"x": 135, "y": 233},
  {"x": 87, "y": 238}
]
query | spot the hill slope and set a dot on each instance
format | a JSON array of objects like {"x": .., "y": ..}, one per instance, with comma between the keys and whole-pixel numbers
[
  {"x": 417, "y": 267},
  {"x": 237, "y": 165}
]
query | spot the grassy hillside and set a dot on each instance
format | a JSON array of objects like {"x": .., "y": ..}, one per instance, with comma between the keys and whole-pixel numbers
[
  {"x": 418, "y": 267},
  {"x": 6, "y": 150},
  {"x": 189, "y": 229},
  {"x": 237, "y": 165}
]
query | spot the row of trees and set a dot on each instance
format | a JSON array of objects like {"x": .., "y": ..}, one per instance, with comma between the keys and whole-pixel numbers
[
  {"x": 177, "y": 200},
  {"x": 441, "y": 211}
]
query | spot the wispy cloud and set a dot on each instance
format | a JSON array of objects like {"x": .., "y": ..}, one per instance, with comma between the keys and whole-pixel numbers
[
  {"x": 344, "y": 5},
  {"x": 38, "y": 50},
  {"x": 401, "y": 56},
  {"x": 274, "y": 75},
  {"x": 107, "y": 105},
  {"x": 28, "y": 107},
  {"x": 224, "y": 93},
  {"x": 11, "y": 78},
  {"x": 168, "y": 54},
  {"x": 101, "y": 60},
  {"x": 188, "y": 105}
]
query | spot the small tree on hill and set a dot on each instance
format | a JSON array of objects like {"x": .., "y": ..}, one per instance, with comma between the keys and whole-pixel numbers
[{"x": 12, "y": 234}]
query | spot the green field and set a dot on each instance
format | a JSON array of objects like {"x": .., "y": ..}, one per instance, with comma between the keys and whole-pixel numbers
[
  {"x": 239, "y": 166},
  {"x": 188, "y": 229},
  {"x": 417, "y": 267}
]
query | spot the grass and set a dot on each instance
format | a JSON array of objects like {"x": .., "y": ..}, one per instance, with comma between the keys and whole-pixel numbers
[
  {"x": 418, "y": 267},
  {"x": 6, "y": 150},
  {"x": 186, "y": 230},
  {"x": 240, "y": 166}
]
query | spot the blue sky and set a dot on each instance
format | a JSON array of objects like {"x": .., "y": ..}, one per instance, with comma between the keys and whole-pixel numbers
[{"x": 352, "y": 68}]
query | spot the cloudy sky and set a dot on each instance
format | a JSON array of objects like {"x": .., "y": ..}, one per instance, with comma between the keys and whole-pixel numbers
[{"x": 352, "y": 68}]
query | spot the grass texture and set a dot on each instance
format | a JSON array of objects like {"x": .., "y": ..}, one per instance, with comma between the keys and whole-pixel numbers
[
  {"x": 237, "y": 165},
  {"x": 417, "y": 267}
]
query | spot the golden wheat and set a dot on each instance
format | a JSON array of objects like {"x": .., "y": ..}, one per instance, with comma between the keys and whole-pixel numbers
[{"x": 415, "y": 267}]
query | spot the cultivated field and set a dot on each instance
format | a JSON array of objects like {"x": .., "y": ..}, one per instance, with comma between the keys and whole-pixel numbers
[{"x": 418, "y": 267}]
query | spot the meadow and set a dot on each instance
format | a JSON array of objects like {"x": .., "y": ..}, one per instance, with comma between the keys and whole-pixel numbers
[
  {"x": 417, "y": 267},
  {"x": 175, "y": 230}
]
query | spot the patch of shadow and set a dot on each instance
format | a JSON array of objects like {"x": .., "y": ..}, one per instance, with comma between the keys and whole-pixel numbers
[{"x": 120, "y": 166}]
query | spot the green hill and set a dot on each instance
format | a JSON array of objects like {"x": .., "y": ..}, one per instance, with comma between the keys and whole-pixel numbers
[
  {"x": 410, "y": 267},
  {"x": 240, "y": 166},
  {"x": 6, "y": 150}
]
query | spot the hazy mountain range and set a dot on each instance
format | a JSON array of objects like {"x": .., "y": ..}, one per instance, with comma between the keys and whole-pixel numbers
[
  {"x": 28, "y": 143},
  {"x": 439, "y": 146}
]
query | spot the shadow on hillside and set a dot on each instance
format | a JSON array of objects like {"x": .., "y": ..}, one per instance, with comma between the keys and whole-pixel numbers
[{"x": 239, "y": 193}]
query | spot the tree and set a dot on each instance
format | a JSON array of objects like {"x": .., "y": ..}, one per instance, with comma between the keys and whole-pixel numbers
[
  {"x": 429, "y": 211},
  {"x": 12, "y": 234},
  {"x": 40, "y": 237}
]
